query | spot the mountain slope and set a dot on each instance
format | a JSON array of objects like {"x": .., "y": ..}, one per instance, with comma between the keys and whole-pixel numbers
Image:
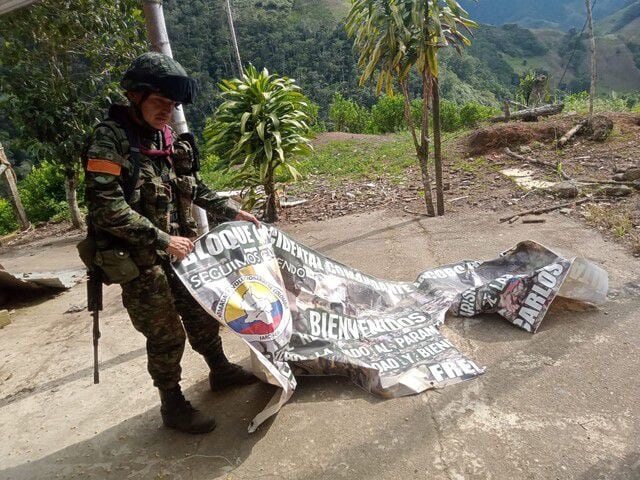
[{"x": 562, "y": 14}]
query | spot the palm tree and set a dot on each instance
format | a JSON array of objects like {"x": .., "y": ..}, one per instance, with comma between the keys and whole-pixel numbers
[
  {"x": 261, "y": 124},
  {"x": 393, "y": 36},
  {"x": 442, "y": 27}
]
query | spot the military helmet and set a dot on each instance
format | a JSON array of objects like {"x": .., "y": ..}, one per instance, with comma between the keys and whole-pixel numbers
[{"x": 158, "y": 73}]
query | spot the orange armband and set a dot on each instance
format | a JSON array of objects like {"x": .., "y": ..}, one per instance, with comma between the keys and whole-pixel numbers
[{"x": 97, "y": 165}]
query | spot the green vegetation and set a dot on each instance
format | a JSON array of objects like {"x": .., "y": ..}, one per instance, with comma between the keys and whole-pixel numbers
[
  {"x": 43, "y": 195},
  {"x": 346, "y": 115},
  {"x": 57, "y": 71},
  {"x": 44, "y": 117},
  {"x": 262, "y": 122},
  {"x": 613, "y": 102},
  {"x": 360, "y": 160},
  {"x": 387, "y": 116},
  {"x": 470, "y": 165},
  {"x": 8, "y": 222}
]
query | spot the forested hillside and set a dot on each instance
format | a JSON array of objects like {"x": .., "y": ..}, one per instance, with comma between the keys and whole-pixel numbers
[
  {"x": 541, "y": 13},
  {"x": 305, "y": 40}
]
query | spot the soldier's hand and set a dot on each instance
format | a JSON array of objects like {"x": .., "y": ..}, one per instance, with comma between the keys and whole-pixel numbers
[
  {"x": 179, "y": 247},
  {"x": 247, "y": 217}
]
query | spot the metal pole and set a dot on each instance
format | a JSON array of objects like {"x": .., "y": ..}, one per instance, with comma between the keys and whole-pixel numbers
[
  {"x": 159, "y": 38},
  {"x": 234, "y": 41}
]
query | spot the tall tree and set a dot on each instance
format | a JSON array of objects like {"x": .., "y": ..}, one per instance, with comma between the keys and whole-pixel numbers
[
  {"x": 394, "y": 36},
  {"x": 59, "y": 67}
]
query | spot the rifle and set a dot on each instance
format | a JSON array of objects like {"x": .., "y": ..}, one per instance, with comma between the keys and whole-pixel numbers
[{"x": 94, "y": 305}]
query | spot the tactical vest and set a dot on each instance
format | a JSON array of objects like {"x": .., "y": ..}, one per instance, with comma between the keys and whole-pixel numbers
[{"x": 158, "y": 184}]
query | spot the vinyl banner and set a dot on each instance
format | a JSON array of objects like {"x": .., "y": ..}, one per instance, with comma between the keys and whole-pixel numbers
[{"x": 303, "y": 313}]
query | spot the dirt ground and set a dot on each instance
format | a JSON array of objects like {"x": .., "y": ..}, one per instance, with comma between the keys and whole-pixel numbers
[
  {"x": 473, "y": 181},
  {"x": 561, "y": 404}
]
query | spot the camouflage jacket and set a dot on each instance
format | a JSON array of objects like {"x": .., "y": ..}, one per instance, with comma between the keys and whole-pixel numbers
[{"x": 144, "y": 223}]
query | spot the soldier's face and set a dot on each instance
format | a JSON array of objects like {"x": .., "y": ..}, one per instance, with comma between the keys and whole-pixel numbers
[{"x": 157, "y": 110}]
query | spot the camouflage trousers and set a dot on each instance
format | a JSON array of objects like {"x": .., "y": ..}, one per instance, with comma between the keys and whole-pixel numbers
[{"x": 159, "y": 306}]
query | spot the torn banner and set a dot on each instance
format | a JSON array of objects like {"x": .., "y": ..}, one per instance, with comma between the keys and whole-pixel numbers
[{"x": 305, "y": 314}]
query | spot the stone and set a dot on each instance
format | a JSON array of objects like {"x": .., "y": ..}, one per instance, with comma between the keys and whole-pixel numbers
[
  {"x": 564, "y": 190},
  {"x": 615, "y": 190},
  {"x": 524, "y": 149},
  {"x": 628, "y": 175}
]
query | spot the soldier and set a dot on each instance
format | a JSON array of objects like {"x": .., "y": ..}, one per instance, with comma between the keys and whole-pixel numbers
[{"x": 138, "y": 177}]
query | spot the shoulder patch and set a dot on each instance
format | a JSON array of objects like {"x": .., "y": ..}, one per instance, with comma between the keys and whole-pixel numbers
[{"x": 99, "y": 165}]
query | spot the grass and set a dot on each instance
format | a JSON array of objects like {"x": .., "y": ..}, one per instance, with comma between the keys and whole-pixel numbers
[
  {"x": 357, "y": 160},
  {"x": 617, "y": 223},
  {"x": 470, "y": 165},
  {"x": 579, "y": 102},
  {"x": 361, "y": 160}
]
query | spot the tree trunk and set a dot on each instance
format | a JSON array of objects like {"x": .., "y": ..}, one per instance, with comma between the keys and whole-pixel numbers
[
  {"x": 529, "y": 113},
  {"x": 70, "y": 184},
  {"x": 437, "y": 146},
  {"x": 423, "y": 153},
  {"x": 407, "y": 115},
  {"x": 14, "y": 196},
  {"x": 234, "y": 41},
  {"x": 592, "y": 47},
  {"x": 270, "y": 207}
]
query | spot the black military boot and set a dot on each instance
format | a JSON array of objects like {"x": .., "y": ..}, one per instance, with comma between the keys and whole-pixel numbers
[
  {"x": 226, "y": 374},
  {"x": 177, "y": 413}
]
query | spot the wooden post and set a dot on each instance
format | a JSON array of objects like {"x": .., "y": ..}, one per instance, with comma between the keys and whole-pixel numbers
[
  {"x": 14, "y": 196},
  {"x": 159, "y": 38},
  {"x": 592, "y": 47}
]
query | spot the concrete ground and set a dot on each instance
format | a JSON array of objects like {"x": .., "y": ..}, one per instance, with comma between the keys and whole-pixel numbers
[{"x": 561, "y": 404}]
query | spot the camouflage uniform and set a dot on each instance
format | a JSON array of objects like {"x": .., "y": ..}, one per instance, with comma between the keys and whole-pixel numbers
[{"x": 156, "y": 300}]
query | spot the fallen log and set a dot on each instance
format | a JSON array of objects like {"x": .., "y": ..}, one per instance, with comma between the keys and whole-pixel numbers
[
  {"x": 593, "y": 181},
  {"x": 535, "y": 161},
  {"x": 570, "y": 134},
  {"x": 531, "y": 113}
]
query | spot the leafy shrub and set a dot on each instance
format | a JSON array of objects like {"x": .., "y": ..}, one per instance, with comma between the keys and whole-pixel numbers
[
  {"x": 315, "y": 124},
  {"x": 472, "y": 113},
  {"x": 449, "y": 116},
  {"x": 261, "y": 125},
  {"x": 8, "y": 222},
  {"x": 43, "y": 193},
  {"x": 347, "y": 116},
  {"x": 388, "y": 114},
  {"x": 453, "y": 117}
]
